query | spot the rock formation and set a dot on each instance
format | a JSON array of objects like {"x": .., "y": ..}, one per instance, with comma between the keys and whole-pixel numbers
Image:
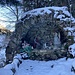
[{"x": 40, "y": 28}]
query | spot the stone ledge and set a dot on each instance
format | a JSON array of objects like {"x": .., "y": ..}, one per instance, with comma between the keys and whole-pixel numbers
[{"x": 48, "y": 54}]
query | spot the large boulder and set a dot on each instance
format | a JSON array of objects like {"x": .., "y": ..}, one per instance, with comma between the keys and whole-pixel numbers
[{"x": 41, "y": 26}]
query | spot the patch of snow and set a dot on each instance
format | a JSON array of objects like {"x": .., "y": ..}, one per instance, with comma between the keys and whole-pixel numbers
[
  {"x": 60, "y": 16},
  {"x": 2, "y": 38},
  {"x": 3, "y": 44},
  {"x": 74, "y": 34},
  {"x": 70, "y": 31},
  {"x": 14, "y": 64},
  {"x": 69, "y": 28},
  {"x": 48, "y": 10},
  {"x": 57, "y": 67},
  {"x": 2, "y": 53},
  {"x": 72, "y": 49},
  {"x": 5, "y": 72},
  {"x": 2, "y": 57},
  {"x": 67, "y": 13},
  {"x": 73, "y": 21},
  {"x": 55, "y": 15},
  {"x": 17, "y": 56},
  {"x": 24, "y": 55},
  {"x": 73, "y": 64},
  {"x": 65, "y": 19}
]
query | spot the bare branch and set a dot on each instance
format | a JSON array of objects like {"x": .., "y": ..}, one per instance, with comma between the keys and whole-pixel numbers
[{"x": 11, "y": 9}]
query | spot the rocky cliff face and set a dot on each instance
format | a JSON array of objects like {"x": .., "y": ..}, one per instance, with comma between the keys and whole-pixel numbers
[{"x": 40, "y": 27}]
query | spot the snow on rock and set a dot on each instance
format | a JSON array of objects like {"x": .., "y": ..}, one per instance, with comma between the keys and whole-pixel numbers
[
  {"x": 71, "y": 31},
  {"x": 69, "y": 28},
  {"x": 61, "y": 16},
  {"x": 24, "y": 55},
  {"x": 65, "y": 19},
  {"x": 72, "y": 49},
  {"x": 55, "y": 14},
  {"x": 15, "y": 64},
  {"x": 17, "y": 56},
  {"x": 9, "y": 66},
  {"x": 59, "y": 12}
]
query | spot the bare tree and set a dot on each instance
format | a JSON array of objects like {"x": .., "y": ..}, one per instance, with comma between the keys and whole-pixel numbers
[{"x": 10, "y": 14}]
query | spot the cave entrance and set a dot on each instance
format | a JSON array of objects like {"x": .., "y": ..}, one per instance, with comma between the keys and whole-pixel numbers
[{"x": 45, "y": 37}]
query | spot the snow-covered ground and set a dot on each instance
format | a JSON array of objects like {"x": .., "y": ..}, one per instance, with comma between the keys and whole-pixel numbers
[
  {"x": 3, "y": 44},
  {"x": 57, "y": 67},
  {"x": 33, "y": 67}
]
